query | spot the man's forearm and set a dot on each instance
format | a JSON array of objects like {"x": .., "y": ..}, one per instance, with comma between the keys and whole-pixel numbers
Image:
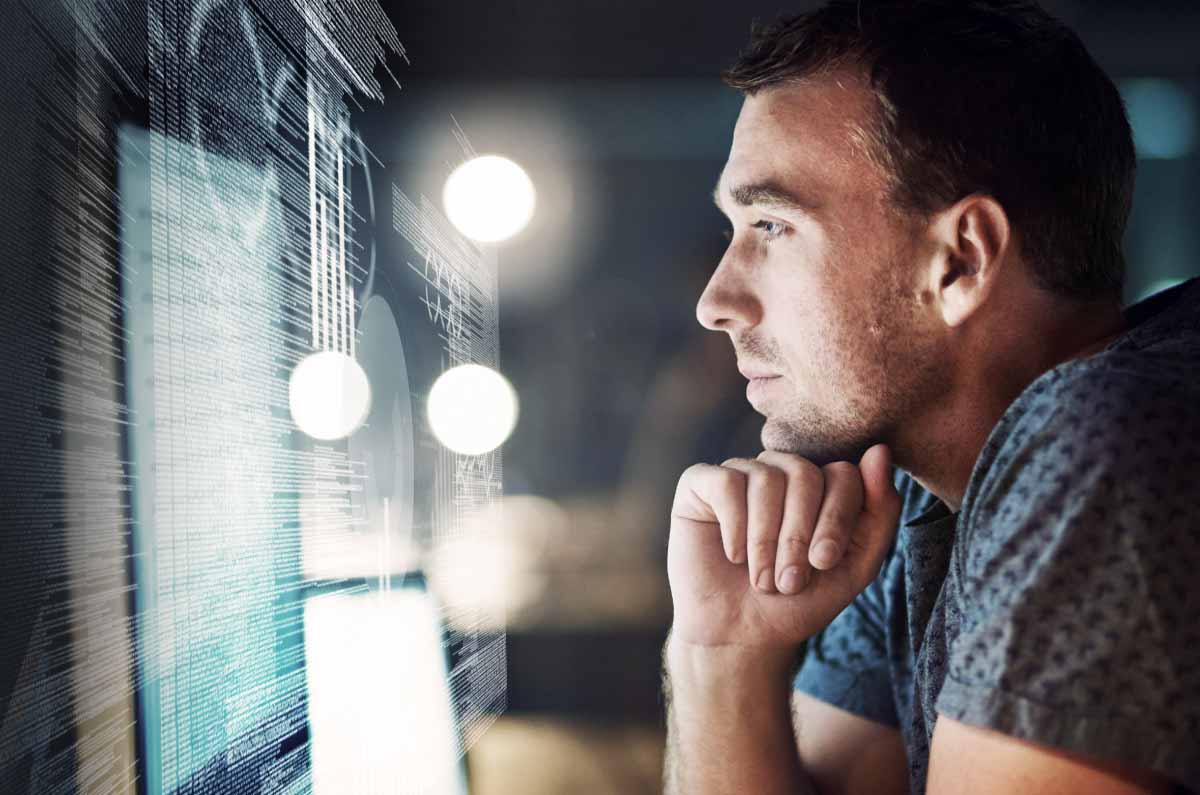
[{"x": 729, "y": 725}]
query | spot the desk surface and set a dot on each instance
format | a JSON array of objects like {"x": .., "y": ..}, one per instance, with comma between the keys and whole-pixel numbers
[{"x": 544, "y": 756}]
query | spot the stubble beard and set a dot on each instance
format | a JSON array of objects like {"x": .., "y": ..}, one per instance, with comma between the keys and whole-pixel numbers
[
  {"x": 897, "y": 377},
  {"x": 818, "y": 437}
]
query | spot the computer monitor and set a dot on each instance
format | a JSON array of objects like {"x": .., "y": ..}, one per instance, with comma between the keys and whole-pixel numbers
[{"x": 285, "y": 637}]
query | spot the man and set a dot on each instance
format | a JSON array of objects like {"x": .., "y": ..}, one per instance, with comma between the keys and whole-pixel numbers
[{"x": 927, "y": 202}]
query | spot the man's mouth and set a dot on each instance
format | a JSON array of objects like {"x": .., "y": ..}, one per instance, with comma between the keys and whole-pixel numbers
[
  {"x": 758, "y": 387},
  {"x": 756, "y": 373}
]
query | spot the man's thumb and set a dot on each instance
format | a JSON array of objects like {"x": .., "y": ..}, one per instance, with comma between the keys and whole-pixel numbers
[{"x": 880, "y": 498}]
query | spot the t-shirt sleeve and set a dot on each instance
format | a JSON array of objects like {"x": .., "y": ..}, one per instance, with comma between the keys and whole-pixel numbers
[
  {"x": 846, "y": 664},
  {"x": 1080, "y": 596}
]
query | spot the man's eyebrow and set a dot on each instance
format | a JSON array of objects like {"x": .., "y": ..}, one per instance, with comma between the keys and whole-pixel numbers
[{"x": 766, "y": 194}]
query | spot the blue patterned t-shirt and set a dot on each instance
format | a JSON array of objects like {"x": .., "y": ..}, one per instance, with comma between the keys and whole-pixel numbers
[{"x": 1061, "y": 604}]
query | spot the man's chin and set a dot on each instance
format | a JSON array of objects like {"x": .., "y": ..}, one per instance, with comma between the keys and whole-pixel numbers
[{"x": 817, "y": 447}]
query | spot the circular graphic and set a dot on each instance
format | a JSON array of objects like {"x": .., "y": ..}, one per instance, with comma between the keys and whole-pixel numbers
[{"x": 232, "y": 108}]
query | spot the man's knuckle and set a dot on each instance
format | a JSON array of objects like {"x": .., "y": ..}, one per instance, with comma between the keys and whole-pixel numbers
[
  {"x": 836, "y": 521},
  {"x": 732, "y": 484},
  {"x": 810, "y": 479},
  {"x": 794, "y": 543},
  {"x": 764, "y": 543},
  {"x": 774, "y": 478},
  {"x": 840, "y": 468},
  {"x": 791, "y": 464},
  {"x": 733, "y": 478}
]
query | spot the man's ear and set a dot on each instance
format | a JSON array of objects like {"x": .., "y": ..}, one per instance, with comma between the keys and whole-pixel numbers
[{"x": 972, "y": 239}]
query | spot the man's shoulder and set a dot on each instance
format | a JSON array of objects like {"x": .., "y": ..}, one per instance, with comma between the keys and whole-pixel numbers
[
  {"x": 1118, "y": 431},
  {"x": 1150, "y": 369},
  {"x": 1087, "y": 495},
  {"x": 1076, "y": 556},
  {"x": 1126, "y": 406},
  {"x": 1109, "y": 399}
]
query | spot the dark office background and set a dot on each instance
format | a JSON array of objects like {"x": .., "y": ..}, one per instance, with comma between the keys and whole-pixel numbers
[{"x": 616, "y": 111}]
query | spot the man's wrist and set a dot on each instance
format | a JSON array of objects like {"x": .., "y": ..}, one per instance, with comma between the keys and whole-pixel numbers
[
  {"x": 732, "y": 669},
  {"x": 729, "y": 725}
]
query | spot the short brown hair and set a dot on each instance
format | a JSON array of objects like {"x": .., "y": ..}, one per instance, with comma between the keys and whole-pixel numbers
[{"x": 990, "y": 96}]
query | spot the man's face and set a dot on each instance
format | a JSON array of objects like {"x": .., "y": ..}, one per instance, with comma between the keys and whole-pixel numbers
[{"x": 817, "y": 288}]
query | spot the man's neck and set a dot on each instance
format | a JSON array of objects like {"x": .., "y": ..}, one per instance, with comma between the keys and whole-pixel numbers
[{"x": 940, "y": 450}]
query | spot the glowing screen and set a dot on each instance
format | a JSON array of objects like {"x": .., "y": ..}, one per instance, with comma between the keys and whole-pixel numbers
[{"x": 226, "y": 577}]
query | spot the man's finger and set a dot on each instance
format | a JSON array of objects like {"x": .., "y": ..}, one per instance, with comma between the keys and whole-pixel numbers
[
  {"x": 881, "y": 500},
  {"x": 881, "y": 513},
  {"x": 765, "y": 490},
  {"x": 708, "y": 493},
  {"x": 839, "y": 514},
  {"x": 729, "y": 503},
  {"x": 801, "y": 505}
]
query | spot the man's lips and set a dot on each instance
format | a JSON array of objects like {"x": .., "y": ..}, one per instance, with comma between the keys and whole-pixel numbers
[
  {"x": 760, "y": 379},
  {"x": 755, "y": 373},
  {"x": 758, "y": 385}
]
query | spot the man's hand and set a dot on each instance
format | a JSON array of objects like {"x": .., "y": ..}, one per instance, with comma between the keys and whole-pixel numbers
[
  {"x": 751, "y": 581},
  {"x": 764, "y": 553}
]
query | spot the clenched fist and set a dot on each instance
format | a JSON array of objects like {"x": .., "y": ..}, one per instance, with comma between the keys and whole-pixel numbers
[{"x": 766, "y": 552}]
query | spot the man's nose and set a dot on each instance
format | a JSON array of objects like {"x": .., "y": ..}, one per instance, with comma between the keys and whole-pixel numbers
[{"x": 729, "y": 301}]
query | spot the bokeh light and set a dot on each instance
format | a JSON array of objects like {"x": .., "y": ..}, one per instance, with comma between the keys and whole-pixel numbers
[
  {"x": 496, "y": 568},
  {"x": 329, "y": 395},
  {"x": 472, "y": 409},
  {"x": 1163, "y": 116},
  {"x": 489, "y": 198}
]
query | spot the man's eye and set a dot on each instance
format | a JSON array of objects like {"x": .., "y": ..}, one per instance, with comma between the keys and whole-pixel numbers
[{"x": 770, "y": 229}]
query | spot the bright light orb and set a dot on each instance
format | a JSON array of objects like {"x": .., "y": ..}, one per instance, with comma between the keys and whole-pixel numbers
[
  {"x": 329, "y": 395},
  {"x": 472, "y": 409},
  {"x": 489, "y": 198}
]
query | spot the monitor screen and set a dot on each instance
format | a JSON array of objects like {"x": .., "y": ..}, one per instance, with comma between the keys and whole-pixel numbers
[{"x": 286, "y": 635}]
